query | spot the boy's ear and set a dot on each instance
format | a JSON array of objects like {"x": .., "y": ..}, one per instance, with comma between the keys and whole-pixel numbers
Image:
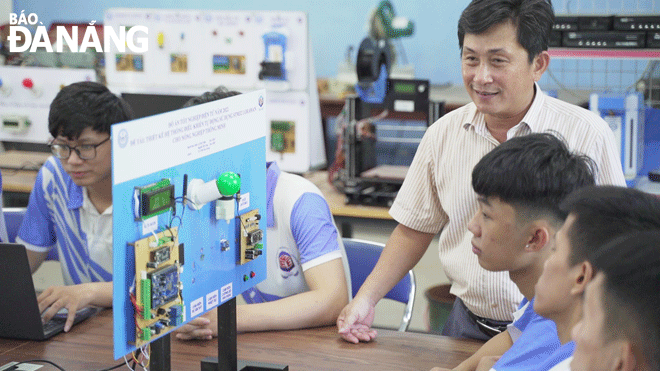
[
  {"x": 584, "y": 273},
  {"x": 540, "y": 237}
]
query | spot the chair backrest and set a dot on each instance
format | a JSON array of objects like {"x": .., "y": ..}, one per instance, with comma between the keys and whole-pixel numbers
[
  {"x": 13, "y": 219},
  {"x": 362, "y": 257}
]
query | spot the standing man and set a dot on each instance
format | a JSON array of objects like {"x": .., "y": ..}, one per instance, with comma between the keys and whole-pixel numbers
[{"x": 503, "y": 54}]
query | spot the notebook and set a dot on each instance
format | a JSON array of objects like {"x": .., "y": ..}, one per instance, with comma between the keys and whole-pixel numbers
[{"x": 19, "y": 309}]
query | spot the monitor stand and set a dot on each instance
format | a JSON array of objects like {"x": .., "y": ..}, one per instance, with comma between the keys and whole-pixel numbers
[{"x": 227, "y": 346}]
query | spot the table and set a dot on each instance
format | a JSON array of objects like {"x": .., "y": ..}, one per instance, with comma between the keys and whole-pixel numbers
[
  {"x": 342, "y": 211},
  {"x": 23, "y": 160},
  {"x": 88, "y": 346},
  {"x": 18, "y": 181},
  {"x": 19, "y": 170},
  {"x": 337, "y": 200}
]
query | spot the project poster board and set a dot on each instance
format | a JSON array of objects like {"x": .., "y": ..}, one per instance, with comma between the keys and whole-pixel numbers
[
  {"x": 206, "y": 48},
  {"x": 194, "y": 260},
  {"x": 25, "y": 97}
]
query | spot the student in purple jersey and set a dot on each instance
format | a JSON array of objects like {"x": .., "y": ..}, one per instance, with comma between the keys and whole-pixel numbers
[
  {"x": 70, "y": 207},
  {"x": 503, "y": 49},
  {"x": 519, "y": 186},
  {"x": 307, "y": 282}
]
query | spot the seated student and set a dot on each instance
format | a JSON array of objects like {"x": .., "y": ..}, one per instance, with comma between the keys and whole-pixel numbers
[
  {"x": 596, "y": 216},
  {"x": 519, "y": 185},
  {"x": 621, "y": 325},
  {"x": 306, "y": 284},
  {"x": 70, "y": 207}
]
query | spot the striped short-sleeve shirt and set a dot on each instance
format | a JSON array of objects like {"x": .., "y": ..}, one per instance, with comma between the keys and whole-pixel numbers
[{"x": 57, "y": 218}]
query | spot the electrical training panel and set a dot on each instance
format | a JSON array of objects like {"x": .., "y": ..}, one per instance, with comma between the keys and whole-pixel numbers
[
  {"x": 243, "y": 51},
  {"x": 25, "y": 97},
  {"x": 187, "y": 221}
]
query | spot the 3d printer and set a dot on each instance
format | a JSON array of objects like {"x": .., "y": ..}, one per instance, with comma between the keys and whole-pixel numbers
[
  {"x": 365, "y": 137},
  {"x": 363, "y": 179}
]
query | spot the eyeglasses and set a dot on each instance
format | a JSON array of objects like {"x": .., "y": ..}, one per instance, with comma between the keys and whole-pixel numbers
[{"x": 84, "y": 151}]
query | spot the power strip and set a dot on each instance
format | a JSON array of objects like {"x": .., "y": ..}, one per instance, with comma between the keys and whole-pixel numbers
[{"x": 11, "y": 366}]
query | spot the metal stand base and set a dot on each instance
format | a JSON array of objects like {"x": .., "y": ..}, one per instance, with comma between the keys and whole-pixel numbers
[
  {"x": 227, "y": 348},
  {"x": 160, "y": 354},
  {"x": 211, "y": 364}
]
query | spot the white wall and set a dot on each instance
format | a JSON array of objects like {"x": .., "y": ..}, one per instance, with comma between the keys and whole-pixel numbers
[{"x": 5, "y": 9}]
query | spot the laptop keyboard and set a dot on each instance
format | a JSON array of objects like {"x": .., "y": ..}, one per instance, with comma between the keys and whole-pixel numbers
[{"x": 53, "y": 325}]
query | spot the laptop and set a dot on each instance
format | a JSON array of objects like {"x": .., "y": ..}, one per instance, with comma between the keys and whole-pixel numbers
[{"x": 19, "y": 309}]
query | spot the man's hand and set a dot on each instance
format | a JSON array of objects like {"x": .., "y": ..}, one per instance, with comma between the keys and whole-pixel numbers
[
  {"x": 72, "y": 298},
  {"x": 354, "y": 321},
  {"x": 204, "y": 327}
]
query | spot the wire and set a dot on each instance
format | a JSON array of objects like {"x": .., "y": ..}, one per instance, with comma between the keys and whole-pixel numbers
[
  {"x": 146, "y": 350},
  {"x": 173, "y": 215},
  {"x": 116, "y": 366},
  {"x": 155, "y": 237},
  {"x": 127, "y": 365}
]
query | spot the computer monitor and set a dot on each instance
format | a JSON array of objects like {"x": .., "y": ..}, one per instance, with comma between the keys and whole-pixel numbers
[{"x": 145, "y": 105}]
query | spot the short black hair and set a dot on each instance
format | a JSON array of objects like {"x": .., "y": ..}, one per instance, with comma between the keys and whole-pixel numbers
[
  {"x": 603, "y": 213},
  {"x": 533, "y": 20},
  {"x": 218, "y": 93},
  {"x": 532, "y": 173},
  {"x": 84, "y": 105},
  {"x": 631, "y": 292}
]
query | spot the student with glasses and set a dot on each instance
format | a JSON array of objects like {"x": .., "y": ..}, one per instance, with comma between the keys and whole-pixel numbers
[{"x": 70, "y": 207}]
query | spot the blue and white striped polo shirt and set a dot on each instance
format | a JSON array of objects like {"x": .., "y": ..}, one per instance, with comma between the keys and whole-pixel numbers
[{"x": 53, "y": 220}]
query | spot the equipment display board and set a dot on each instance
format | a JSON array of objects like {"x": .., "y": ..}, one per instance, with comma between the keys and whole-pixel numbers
[
  {"x": 205, "y": 48},
  {"x": 192, "y": 51},
  {"x": 25, "y": 97},
  {"x": 189, "y": 214}
]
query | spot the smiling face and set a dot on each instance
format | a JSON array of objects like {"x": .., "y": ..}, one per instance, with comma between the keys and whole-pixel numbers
[
  {"x": 497, "y": 73},
  {"x": 553, "y": 289},
  {"x": 88, "y": 172},
  {"x": 498, "y": 239},
  {"x": 593, "y": 350}
]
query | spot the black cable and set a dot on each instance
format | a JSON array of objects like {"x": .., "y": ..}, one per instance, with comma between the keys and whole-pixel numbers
[
  {"x": 117, "y": 366},
  {"x": 181, "y": 200}
]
